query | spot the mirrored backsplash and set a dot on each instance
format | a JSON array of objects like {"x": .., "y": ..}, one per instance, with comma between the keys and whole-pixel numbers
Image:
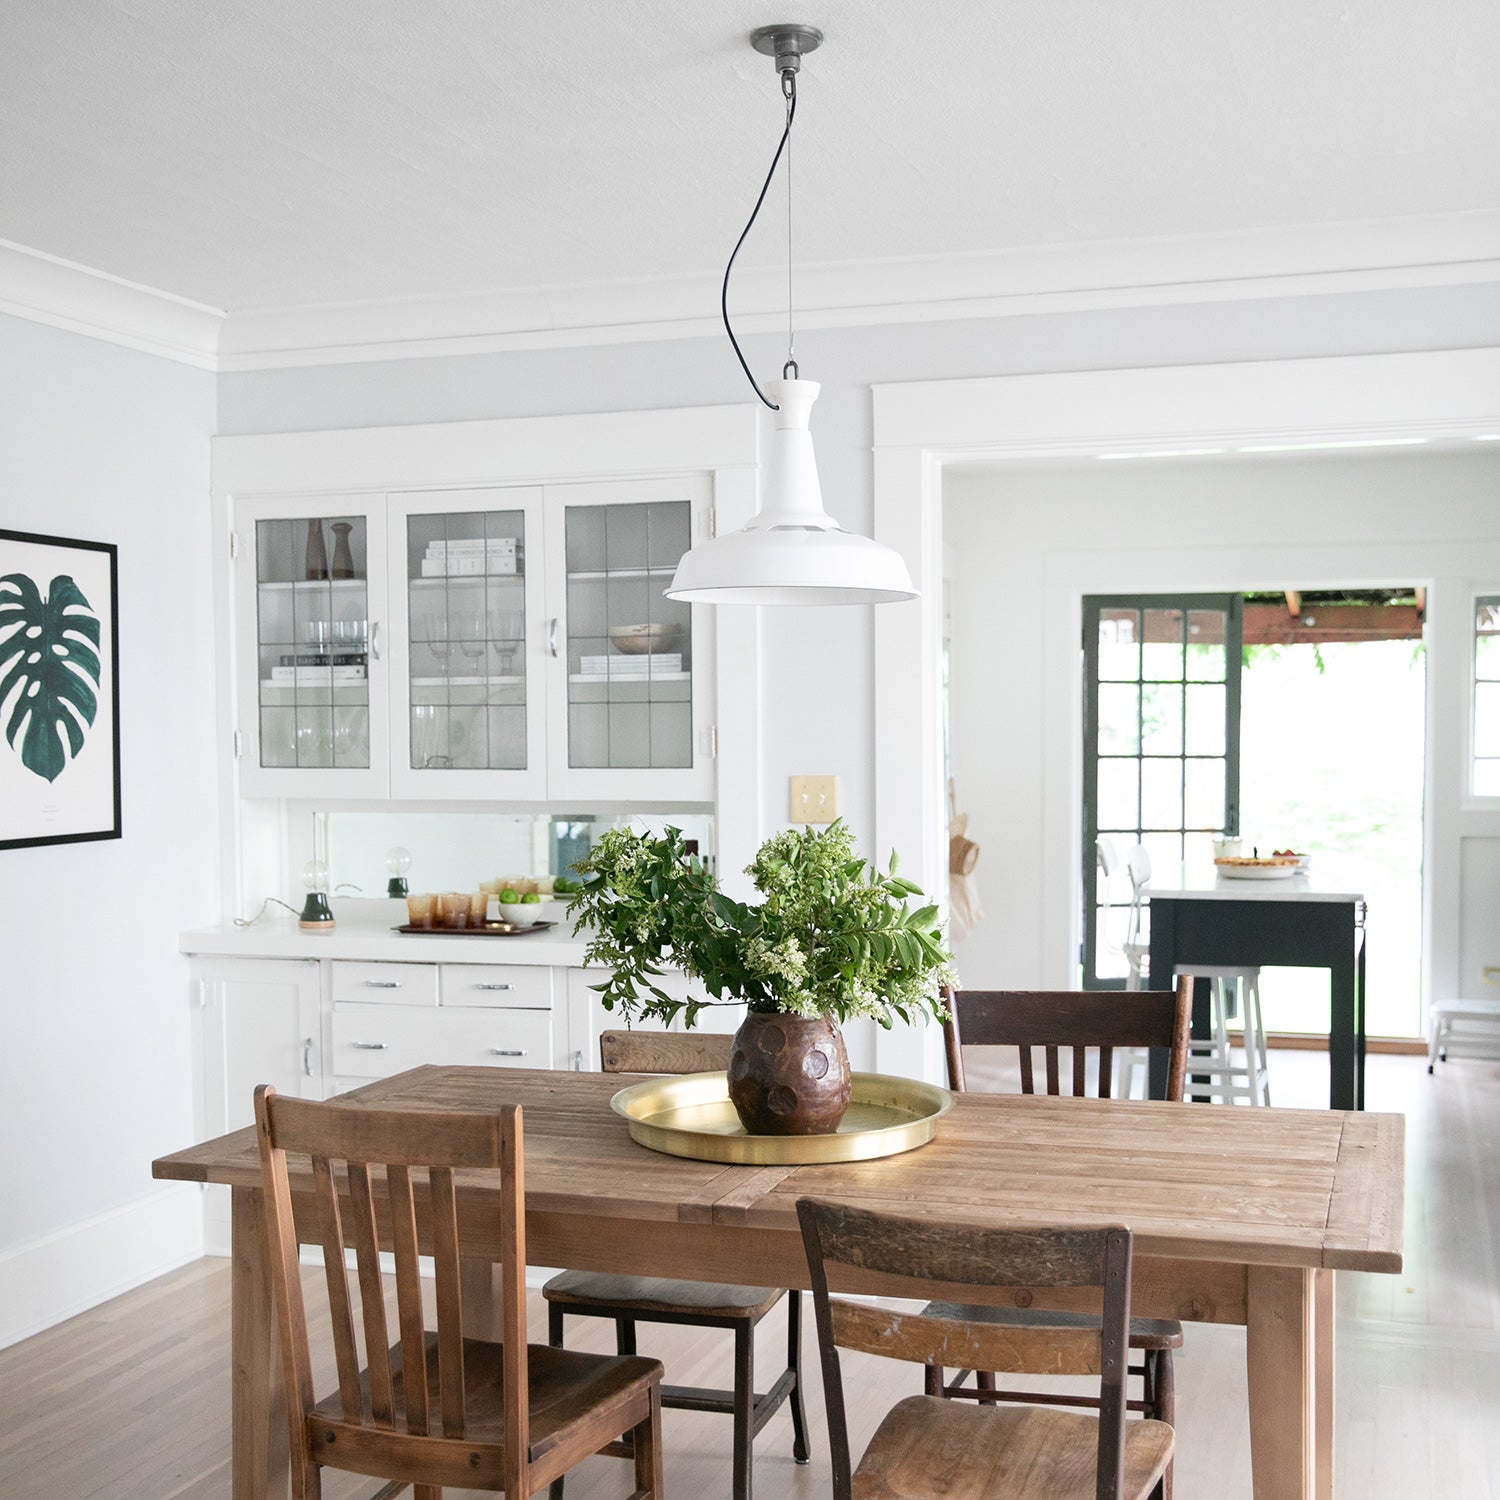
[{"x": 456, "y": 850}]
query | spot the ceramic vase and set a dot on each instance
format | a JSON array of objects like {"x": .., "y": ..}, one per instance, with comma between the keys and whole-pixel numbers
[{"x": 789, "y": 1075}]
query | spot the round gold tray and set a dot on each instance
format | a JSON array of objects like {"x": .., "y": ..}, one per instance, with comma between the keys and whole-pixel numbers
[{"x": 690, "y": 1115}]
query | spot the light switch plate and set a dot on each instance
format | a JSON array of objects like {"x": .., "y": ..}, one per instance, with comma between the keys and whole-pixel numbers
[{"x": 815, "y": 799}]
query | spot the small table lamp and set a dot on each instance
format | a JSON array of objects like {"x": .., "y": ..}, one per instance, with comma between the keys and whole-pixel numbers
[
  {"x": 397, "y": 862},
  {"x": 316, "y": 915}
]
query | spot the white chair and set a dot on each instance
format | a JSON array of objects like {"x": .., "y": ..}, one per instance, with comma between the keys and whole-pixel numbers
[
  {"x": 1212, "y": 1072},
  {"x": 1134, "y": 1062},
  {"x": 1477, "y": 1035}
]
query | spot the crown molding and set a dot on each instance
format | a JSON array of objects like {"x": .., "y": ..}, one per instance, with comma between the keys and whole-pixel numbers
[
  {"x": 1308, "y": 260},
  {"x": 63, "y": 294}
]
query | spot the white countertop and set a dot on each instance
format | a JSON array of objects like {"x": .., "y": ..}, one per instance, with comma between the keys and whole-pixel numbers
[
  {"x": 1326, "y": 881},
  {"x": 364, "y": 930}
]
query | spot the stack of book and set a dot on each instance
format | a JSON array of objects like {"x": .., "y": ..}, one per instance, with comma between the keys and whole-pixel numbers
[
  {"x": 651, "y": 664},
  {"x": 319, "y": 668},
  {"x": 468, "y": 557}
]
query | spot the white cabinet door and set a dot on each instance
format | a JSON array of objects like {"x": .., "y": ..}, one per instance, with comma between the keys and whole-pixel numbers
[
  {"x": 468, "y": 658},
  {"x": 308, "y": 651},
  {"x": 260, "y": 1024},
  {"x": 630, "y": 679}
]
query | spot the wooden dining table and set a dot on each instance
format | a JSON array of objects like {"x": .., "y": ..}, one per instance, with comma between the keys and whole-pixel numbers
[{"x": 1240, "y": 1216}]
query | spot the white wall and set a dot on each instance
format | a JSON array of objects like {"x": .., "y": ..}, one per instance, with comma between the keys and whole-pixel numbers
[
  {"x": 819, "y": 664},
  {"x": 105, "y": 444},
  {"x": 1040, "y": 537}
]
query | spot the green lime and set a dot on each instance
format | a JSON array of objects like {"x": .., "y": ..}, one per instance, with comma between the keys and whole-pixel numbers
[
  {"x": 510, "y": 896},
  {"x": 530, "y": 899}
]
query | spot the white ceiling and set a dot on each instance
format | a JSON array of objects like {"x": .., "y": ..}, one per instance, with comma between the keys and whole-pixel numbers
[{"x": 269, "y": 153}]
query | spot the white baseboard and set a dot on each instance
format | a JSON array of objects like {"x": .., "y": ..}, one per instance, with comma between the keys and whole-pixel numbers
[{"x": 58, "y": 1275}]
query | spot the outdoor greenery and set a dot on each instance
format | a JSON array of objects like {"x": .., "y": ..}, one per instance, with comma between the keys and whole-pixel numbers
[{"x": 832, "y": 936}]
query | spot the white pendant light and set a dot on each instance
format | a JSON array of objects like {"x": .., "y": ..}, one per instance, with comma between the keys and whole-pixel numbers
[{"x": 791, "y": 551}]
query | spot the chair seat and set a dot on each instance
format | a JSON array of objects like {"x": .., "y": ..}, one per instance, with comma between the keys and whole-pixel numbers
[
  {"x": 646, "y": 1294},
  {"x": 927, "y": 1446},
  {"x": 1145, "y": 1333},
  {"x": 568, "y": 1389}
]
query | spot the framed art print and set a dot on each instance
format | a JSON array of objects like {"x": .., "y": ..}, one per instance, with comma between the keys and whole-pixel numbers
[{"x": 59, "y": 691}]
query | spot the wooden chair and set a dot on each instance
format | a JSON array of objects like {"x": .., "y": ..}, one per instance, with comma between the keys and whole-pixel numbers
[
  {"x": 1104, "y": 1021},
  {"x": 628, "y": 1300},
  {"x": 437, "y": 1408},
  {"x": 928, "y": 1446}
]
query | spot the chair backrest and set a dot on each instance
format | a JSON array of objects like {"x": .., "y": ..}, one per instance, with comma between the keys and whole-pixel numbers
[
  {"x": 1105, "y": 856},
  {"x": 422, "y": 1211},
  {"x": 916, "y": 1253},
  {"x": 664, "y": 1051},
  {"x": 1078, "y": 1019}
]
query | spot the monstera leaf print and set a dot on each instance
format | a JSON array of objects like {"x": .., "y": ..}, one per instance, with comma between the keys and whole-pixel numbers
[{"x": 49, "y": 671}]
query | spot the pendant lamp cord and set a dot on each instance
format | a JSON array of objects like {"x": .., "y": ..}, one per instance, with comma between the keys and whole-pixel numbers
[{"x": 789, "y": 91}]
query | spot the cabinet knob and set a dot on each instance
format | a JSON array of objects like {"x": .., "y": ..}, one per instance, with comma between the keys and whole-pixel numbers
[
  {"x": 382, "y": 984},
  {"x": 494, "y": 986},
  {"x": 508, "y": 1052},
  {"x": 370, "y": 1046}
]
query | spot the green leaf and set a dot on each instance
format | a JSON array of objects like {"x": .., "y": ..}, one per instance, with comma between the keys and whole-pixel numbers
[{"x": 50, "y": 647}]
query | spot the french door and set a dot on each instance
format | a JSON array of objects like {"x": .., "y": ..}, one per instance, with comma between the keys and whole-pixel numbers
[{"x": 1161, "y": 719}]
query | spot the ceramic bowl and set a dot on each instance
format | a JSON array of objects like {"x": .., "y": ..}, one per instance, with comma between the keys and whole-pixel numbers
[{"x": 637, "y": 640}]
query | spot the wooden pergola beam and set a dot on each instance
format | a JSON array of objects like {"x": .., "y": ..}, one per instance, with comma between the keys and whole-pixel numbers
[
  {"x": 1276, "y": 625},
  {"x": 1294, "y": 603}
]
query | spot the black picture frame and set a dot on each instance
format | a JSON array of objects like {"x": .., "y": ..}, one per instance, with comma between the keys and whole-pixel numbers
[{"x": 59, "y": 776}]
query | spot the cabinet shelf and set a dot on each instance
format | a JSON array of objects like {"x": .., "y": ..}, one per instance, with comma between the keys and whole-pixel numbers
[
  {"x": 305, "y": 585},
  {"x": 437, "y": 581},
  {"x": 603, "y": 575}
]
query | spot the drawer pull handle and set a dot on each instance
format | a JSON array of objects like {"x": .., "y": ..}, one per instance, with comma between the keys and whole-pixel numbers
[
  {"x": 382, "y": 984},
  {"x": 494, "y": 986},
  {"x": 370, "y": 1046},
  {"x": 508, "y": 1051}
]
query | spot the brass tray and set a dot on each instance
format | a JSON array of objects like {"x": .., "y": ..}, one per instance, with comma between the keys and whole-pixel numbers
[
  {"x": 690, "y": 1115},
  {"x": 490, "y": 929}
]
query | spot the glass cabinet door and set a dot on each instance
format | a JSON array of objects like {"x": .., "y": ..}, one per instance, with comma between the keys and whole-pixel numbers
[
  {"x": 307, "y": 701},
  {"x": 465, "y": 723},
  {"x": 633, "y": 698}
]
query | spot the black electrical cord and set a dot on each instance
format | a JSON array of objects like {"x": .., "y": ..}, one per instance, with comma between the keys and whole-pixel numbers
[{"x": 789, "y": 88}]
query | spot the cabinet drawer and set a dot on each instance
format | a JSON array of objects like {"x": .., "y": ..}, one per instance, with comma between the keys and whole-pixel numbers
[
  {"x": 375, "y": 1041},
  {"x": 385, "y": 984},
  {"x": 512, "y": 986}
]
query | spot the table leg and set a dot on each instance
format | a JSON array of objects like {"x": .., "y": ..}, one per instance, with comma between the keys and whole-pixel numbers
[
  {"x": 259, "y": 1457},
  {"x": 1343, "y": 1027},
  {"x": 1280, "y": 1353},
  {"x": 1323, "y": 1319},
  {"x": 479, "y": 1288}
]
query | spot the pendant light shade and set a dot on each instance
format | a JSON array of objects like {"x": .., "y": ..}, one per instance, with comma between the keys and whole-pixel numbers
[{"x": 791, "y": 551}]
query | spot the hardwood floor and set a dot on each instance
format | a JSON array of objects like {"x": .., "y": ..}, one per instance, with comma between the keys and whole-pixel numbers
[{"x": 131, "y": 1401}]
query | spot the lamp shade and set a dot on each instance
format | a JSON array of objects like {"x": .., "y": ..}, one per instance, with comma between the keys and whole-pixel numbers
[{"x": 791, "y": 551}]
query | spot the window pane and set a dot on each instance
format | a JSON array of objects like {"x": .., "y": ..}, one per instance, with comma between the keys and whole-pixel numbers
[
  {"x": 1487, "y": 778},
  {"x": 1487, "y": 718},
  {"x": 1165, "y": 852},
  {"x": 1204, "y": 807},
  {"x": 1205, "y": 719},
  {"x": 1119, "y": 784},
  {"x": 1119, "y": 718},
  {"x": 1161, "y": 719},
  {"x": 1119, "y": 645},
  {"x": 1205, "y": 645},
  {"x": 1487, "y": 658},
  {"x": 1161, "y": 655},
  {"x": 1161, "y": 794},
  {"x": 1109, "y": 928}
]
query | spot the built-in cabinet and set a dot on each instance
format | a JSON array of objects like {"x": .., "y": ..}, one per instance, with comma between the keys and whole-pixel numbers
[{"x": 502, "y": 643}]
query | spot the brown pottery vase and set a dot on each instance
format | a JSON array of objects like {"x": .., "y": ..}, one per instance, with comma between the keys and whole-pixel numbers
[{"x": 789, "y": 1075}]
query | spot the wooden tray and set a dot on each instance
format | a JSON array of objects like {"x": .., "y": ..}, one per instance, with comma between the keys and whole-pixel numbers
[
  {"x": 690, "y": 1115},
  {"x": 490, "y": 929}
]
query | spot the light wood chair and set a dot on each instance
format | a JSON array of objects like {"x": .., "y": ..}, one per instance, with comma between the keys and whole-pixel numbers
[
  {"x": 628, "y": 1300},
  {"x": 928, "y": 1446},
  {"x": 437, "y": 1408},
  {"x": 1101, "y": 1021}
]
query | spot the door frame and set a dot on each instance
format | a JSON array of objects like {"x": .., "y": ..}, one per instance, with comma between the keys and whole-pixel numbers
[{"x": 921, "y": 428}]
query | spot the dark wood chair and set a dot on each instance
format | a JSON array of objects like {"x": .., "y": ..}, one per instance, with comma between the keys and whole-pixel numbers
[
  {"x": 1081, "y": 1021},
  {"x": 628, "y": 1300},
  {"x": 928, "y": 1446},
  {"x": 437, "y": 1408}
]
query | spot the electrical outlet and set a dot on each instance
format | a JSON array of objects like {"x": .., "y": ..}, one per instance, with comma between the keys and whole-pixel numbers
[
  {"x": 1492, "y": 973},
  {"x": 815, "y": 799}
]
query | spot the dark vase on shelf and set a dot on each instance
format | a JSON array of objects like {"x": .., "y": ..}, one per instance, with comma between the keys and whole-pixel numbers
[
  {"x": 317, "y": 551},
  {"x": 789, "y": 1075},
  {"x": 343, "y": 558}
]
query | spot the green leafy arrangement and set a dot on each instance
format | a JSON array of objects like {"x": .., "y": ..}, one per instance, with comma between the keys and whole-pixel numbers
[
  {"x": 49, "y": 649},
  {"x": 833, "y": 936}
]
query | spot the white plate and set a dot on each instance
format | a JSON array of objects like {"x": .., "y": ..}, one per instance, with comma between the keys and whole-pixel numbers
[{"x": 1257, "y": 872}]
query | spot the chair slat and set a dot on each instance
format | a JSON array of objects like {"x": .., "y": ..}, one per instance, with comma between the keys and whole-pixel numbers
[
  {"x": 1019, "y": 1350},
  {"x": 1028, "y": 1080},
  {"x": 1080, "y": 1071},
  {"x": 396, "y": 1137},
  {"x": 341, "y": 1311},
  {"x": 409, "y": 1298},
  {"x": 516, "y": 1397},
  {"x": 1106, "y": 1071},
  {"x": 1052, "y": 1083},
  {"x": 371, "y": 1292},
  {"x": 450, "y": 1328}
]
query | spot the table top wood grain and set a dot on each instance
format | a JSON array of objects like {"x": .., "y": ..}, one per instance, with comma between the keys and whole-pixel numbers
[{"x": 1309, "y": 1188}]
